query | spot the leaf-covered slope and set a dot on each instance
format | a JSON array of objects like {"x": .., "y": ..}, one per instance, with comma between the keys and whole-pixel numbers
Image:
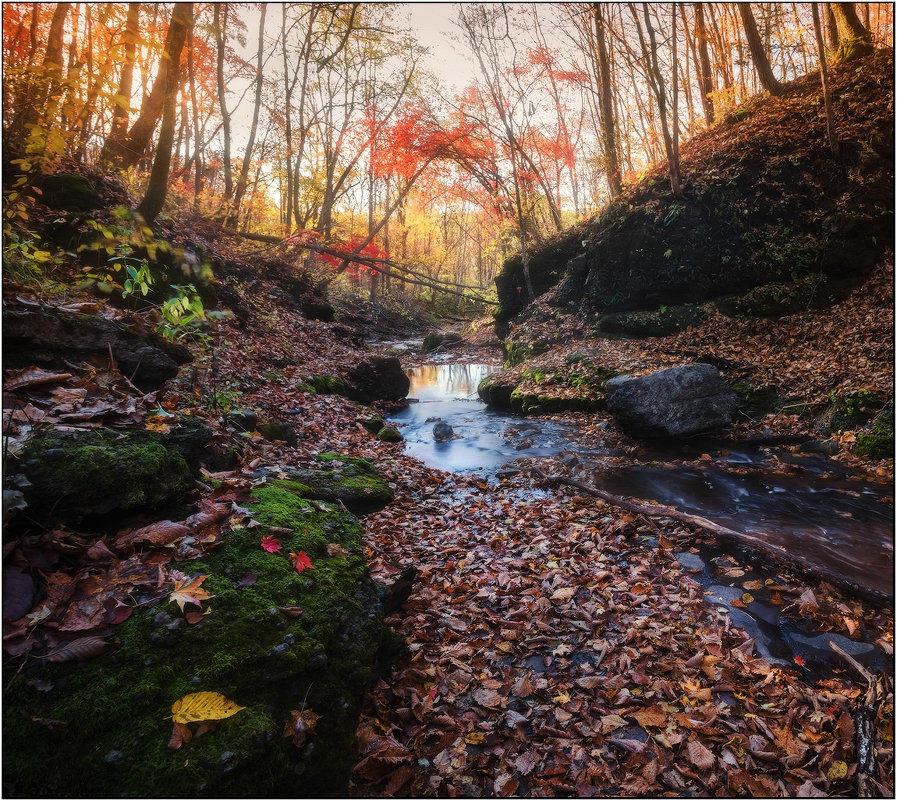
[{"x": 763, "y": 201}]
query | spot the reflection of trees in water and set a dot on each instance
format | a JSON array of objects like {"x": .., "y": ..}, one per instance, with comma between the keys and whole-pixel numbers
[{"x": 452, "y": 379}]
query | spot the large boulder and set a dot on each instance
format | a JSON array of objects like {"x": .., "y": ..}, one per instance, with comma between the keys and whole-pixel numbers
[
  {"x": 377, "y": 378},
  {"x": 49, "y": 338},
  {"x": 75, "y": 474},
  {"x": 295, "y": 650},
  {"x": 673, "y": 402}
]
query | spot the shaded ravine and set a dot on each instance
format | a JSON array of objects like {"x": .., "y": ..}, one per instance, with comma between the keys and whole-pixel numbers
[{"x": 842, "y": 524}]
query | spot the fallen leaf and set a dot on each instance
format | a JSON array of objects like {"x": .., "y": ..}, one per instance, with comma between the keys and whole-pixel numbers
[
  {"x": 699, "y": 755},
  {"x": 78, "y": 650},
  {"x": 271, "y": 544},
  {"x": 188, "y": 591},
  {"x": 300, "y": 725},
  {"x": 301, "y": 561},
  {"x": 203, "y": 706}
]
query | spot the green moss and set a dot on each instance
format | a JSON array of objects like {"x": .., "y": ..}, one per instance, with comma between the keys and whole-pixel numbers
[
  {"x": 494, "y": 391},
  {"x": 778, "y": 299},
  {"x": 328, "y": 385},
  {"x": 116, "y": 707},
  {"x": 97, "y": 471},
  {"x": 523, "y": 402},
  {"x": 757, "y": 399},
  {"x": 389, "y": 434},
  {"x": 879, "y": 442},
  {"x": 660, "y": 322},
  {"x": 372, "y": 424},
  {"x": 431, "y": 342},
  {"x": 518, "y": 351}
]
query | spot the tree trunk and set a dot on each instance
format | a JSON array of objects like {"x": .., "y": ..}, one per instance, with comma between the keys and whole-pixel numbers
[
  {"x": 157, "y": 187},
  {"x": 657, "y": 84},
  {"x": 826, "y": 95},
  {"x": 220, "y": 40},
  {"x": 43, "y": 85},
  {"x": 854, "y": 41},
  {"x": 247, "y": 156},
  {"x": 705, "y": 76},
  {"x": 758, "y": 54},
  {"x": 609, "y": 137},
  {"x": 127, "y": 153}
]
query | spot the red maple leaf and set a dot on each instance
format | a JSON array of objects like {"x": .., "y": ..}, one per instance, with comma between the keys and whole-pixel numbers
[
  {"x": 301, "y": 561},
  {"x": 799, "y": 660},
  {"x": 271, "y": 544}
]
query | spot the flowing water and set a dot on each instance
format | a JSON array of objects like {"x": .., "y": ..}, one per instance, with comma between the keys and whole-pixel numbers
[{"x": 839, "y": 523}]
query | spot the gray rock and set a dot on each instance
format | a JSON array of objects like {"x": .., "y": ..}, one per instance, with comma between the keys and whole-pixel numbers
[
  {"x": 690, "y": 561},
  {"x": 443, "y": 432},
  {"x": 672, "y": 402}
]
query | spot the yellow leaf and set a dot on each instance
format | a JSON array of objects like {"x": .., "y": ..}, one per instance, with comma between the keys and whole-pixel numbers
[
  {"x": 203, "y": 706},
  {"x": 747, "y": 598},
  {"x": 562, "y": 698},
  {"x": 838, "y": 770},
  {"x": 475, "y": 738}
]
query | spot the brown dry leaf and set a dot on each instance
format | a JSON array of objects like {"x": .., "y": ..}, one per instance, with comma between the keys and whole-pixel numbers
[
  {"x": 32, "y": 377},
  {"x": 300, "y": 725},
  {"x": 563, "y": 594},
  {"x": 611, "y": 722},
  {"x": 80, "y": 649},
  {"x": 180, "y": 734},
  {"x": 487, "y": 698},
  {"x": 652, "y": 716},
  {"x": 164, "y": 532},
  {"x": 699, "y": 755},
  {"x": 523, "y": 687}
]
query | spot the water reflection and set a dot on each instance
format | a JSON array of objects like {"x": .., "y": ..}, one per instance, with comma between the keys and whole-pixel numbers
[{"x": 485, "y": 440}]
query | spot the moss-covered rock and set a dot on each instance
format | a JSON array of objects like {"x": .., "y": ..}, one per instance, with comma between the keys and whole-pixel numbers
[
  {"x": 518, "y": 349},
  {"x": 656, "y": 323},
  {"x": 275, "y": 430},
  {"x": 352, "y": 481},
  {"x": 274, "y": 641},
  {"x": 778, "y": 299},
  {"x": 372, "y": 423},
  {"x": 495, "y": 390},
  {"x": 103, "y": 470},
  {"x": 327, "y": 385},
  {"x": 389, "y": 434},
  {"x": 878, "y": 443},
  {"x": 431, "y": 342},
  {"x": 535, "y": 403}
]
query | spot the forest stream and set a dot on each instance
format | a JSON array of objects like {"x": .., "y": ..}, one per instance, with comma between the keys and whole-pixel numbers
[{"x": 840, "y": 523}]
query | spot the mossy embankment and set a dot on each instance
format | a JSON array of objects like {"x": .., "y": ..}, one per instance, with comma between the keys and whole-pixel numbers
[{"x": 764, "y": 202}]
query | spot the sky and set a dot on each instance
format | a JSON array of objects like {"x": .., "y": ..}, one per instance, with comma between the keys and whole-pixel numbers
[{"x": 448, "y": 59}]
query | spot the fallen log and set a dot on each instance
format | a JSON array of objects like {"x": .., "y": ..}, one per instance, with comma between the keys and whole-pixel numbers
[
  {"x": 864, "y": 723},
  {"x": 778, "y": 555}
]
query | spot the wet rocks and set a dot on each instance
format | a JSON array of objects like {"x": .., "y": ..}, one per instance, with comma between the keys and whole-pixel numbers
[
  {"x": 443, "y": 432},
  {"x": 377, "y": 378},
  {"x": 672, "y": 402}
]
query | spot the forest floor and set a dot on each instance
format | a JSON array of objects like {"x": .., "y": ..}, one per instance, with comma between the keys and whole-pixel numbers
[
  {"x": 557, "y": 650},
  {"x": 555, "y": 644}
]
